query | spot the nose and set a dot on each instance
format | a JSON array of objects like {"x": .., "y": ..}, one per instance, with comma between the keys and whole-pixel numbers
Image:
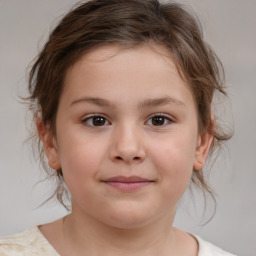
[{"x": 127, "y": 146}]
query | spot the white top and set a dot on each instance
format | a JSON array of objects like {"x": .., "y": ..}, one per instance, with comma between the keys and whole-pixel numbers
[{"x": 32, "y": 243}]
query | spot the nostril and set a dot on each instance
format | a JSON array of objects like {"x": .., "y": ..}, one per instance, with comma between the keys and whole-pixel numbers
[{"x": 136, "y": 158}]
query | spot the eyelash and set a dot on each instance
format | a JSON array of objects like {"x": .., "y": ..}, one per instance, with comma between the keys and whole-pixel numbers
[
  {"x": 167, "y": 119},
  {"x": 90, "y": 117}
]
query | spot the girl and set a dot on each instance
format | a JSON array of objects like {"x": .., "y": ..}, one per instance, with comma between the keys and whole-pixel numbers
[{"x": 121, "y": 94}]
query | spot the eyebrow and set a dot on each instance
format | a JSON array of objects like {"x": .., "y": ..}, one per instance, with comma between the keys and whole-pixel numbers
[
  {"x": 160, "y": 102},
  {"x": 146, "y": 103},
  {"x": 96, "y": 101}
]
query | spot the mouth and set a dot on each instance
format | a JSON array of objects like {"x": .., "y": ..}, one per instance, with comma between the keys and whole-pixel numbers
[{"x": 127, "y": 183}]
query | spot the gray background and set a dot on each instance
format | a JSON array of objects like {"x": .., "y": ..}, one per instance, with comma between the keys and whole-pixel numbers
[{"x": 230, "y": 27}]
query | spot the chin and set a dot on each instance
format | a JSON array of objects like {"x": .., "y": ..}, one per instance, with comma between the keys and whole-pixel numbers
[{"x": 130, "y": 219}]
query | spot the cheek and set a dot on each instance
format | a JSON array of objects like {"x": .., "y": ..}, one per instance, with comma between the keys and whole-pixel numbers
[
  {"x": 173, "y": 159},
  {"x": 176, "y": 154},
  {"x": 80, "y": 161}
]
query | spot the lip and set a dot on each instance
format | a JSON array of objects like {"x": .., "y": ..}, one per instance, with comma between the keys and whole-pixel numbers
[{"x": 127, "y": 183}]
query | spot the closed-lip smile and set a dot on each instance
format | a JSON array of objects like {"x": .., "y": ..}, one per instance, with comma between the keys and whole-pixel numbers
[{"x": 130, "y": 183}]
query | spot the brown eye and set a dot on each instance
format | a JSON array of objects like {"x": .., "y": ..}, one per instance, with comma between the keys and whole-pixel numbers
[
  {"x": 159, "y": 120},
  {"x": 96, "y": 121}
]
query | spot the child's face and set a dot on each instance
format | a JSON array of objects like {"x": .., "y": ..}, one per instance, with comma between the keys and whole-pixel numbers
[{"x": 127, "y": 136}]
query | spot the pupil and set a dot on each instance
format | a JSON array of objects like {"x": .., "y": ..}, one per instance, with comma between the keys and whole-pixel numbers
[
  {"x": 98, "y": 121},
  {"x": 158, "y": 120}
]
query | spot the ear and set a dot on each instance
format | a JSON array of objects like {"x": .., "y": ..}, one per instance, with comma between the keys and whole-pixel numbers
[
  {"x": 204, "y": 142},
  {"x": 50, "y": 144}
]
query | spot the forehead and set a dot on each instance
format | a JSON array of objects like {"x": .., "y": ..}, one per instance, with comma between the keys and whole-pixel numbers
[
  {"x": 105, "y": 52},
  {"x": 156, "y": 56},
  {"x": 147, "y": 68}
]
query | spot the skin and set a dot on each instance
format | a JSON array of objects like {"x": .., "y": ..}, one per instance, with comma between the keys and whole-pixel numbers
[{"x": 120, "y": 86}]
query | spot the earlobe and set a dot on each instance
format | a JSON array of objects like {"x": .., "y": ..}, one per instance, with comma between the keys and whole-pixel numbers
[
  {"x": 50, "y": 144},
  {"x": 203, "y": 146}
]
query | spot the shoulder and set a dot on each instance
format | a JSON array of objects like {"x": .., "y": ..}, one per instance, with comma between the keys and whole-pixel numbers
[
  {"x": 208, "y": 249},
  {"x": 30, "y": 242}
]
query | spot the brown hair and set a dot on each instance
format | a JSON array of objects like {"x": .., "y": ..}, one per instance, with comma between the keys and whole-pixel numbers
[{"x": 127, "y": 23}]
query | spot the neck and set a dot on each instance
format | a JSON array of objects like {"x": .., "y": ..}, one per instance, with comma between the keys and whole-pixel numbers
[{"x": 86, "y": 234}]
